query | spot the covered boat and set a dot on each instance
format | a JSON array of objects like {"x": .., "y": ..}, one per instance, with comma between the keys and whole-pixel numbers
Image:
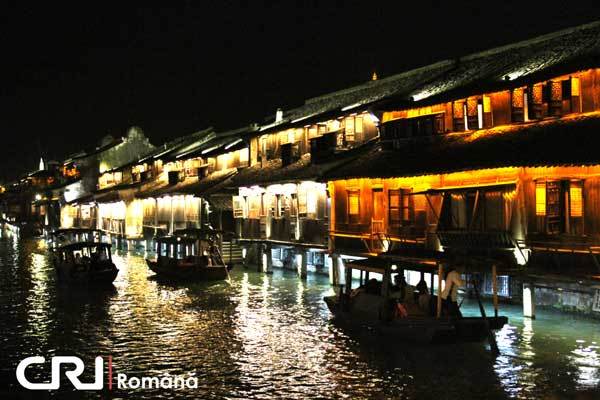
[
  {"x": 374, "y": 304},
  {"x": 64, "y": 236},
  {"x": 85, "y": 263},
  {"x": 190, "y": 254}
]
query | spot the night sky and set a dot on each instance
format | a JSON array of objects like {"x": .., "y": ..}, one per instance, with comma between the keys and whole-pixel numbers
[{"x": 72, "y": 75}]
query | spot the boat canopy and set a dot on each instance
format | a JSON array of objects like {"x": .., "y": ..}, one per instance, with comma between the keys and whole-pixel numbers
[
  {"x": 176, "y": 239},
  {"x": 393, "y": 262},
  {"x": 63, "y": 231},
  {"x": 82, "y": 245}
]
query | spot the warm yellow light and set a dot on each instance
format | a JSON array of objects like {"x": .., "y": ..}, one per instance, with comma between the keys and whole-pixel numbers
[
  {"x": 353, "y": 206},
  {"x": 487, "y": 104},
  {"x": 540, "y": 198},
  {"x": 576, "y": 196},
  {"x": 574, "y": 86}
]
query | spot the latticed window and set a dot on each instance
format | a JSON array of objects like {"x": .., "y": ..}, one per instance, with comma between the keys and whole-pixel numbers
[
  {"x": 540, "y": 198},
  {"x": 353, "y": 206},
  {"x": 576, "y": 199},
  {"x": 399, "y": 207},
  {"x": 559, "y": 206}
]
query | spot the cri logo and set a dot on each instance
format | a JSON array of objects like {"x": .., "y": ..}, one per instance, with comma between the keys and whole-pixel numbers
[{"x": 72, "y": 374}]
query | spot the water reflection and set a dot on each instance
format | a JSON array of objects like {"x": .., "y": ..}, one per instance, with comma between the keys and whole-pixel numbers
[{"x": 262, "y": 336}]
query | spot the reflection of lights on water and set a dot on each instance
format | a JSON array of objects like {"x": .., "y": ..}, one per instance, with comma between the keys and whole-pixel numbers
[
  {"x": 299, "y": 292},
  {"x": 275, "y": 335},
  {"x": 37, "y": 301},
  {"x": 527, "y": 338},
  {"x": 587, "y": 361},
  {"x": 514, "y": 366}
]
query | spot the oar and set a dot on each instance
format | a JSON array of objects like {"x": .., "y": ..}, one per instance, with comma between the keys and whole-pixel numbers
[{"x": 491, "y": 336}]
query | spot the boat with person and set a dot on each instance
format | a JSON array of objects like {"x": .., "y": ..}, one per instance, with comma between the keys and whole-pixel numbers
[
  {"x": 85, "y": 263},
  {"x": 189, "y": 254},
  {"x": 404, "y": 315}
]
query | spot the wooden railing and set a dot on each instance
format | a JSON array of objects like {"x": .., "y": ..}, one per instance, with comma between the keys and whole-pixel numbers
[
  {"x": 374, "y": 243},
  {"x": 480, "y": 240}
]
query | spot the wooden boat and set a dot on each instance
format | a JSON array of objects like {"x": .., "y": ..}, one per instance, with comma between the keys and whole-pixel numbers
[
  {"x": 190, "y": 255},
  {"x": 377, "y": 310},
  {"x": 85, "y": 263}
]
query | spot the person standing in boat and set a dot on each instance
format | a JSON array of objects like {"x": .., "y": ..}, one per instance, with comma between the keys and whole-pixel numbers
[{"x": 450, "y": 292}]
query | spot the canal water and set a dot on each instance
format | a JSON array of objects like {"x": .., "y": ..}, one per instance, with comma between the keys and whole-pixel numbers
[{"x": 266, "y": 336}]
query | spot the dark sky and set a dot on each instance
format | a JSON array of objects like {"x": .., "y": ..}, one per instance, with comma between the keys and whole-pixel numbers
[{"x": 72, "y": 74}]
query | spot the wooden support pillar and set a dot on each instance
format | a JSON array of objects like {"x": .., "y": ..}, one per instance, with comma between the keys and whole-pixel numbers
[
  {"x": 220, "y": 235},
  {"x": 267, "y": 260},
  {"x": 302, "y": 264},
  {"x": 348, "y": 280},
  {"x": 245, "y": 257},
  {"x": 431, "y": 282},
  {"x": 172, "y": 222},
  {"x": 336, "y": 273},
  {"x": 495, "y": 289},
  {"x": 439, "y": 290},
  {"x": 529, "y": 300}
]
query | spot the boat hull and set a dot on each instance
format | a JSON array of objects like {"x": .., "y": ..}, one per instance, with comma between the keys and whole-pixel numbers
[
  {"x": 424, "y": 329},
  {"x": 189, "y": 273},
  {"x": 103, "y": 276}
]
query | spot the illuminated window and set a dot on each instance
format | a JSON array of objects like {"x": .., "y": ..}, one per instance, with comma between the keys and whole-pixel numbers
[
  {"x": 459, "y": 117},
  {"x": 458, "y": 109},
  {"x": 472, "y": 106},
  {"x": 487, "y": 104},
  {"x": 556, "y": 91},
  {"x": 238, "y": 207},
  {"x": 575, "y": 87},
  {"x": 244, "y": 155},
  {"x": 353, "y": 206},
  {"x": 576, "y": 199},
  {"x": 518, "y": 105},
  {"x": 358, "y": 124},
  {"x": 349, "y": 129},
  {"x": 540, "y": 198},
  {"x": 517, "y": 97},
  {"x": 311, "y": 202},
  {"x": 254, "y": 206}
]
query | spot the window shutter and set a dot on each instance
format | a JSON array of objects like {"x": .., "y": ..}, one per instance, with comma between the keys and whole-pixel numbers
[{"x": 546, "y": 92}]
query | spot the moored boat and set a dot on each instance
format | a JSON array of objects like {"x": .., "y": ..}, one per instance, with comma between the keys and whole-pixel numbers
[
  {"x": 190, "y": 255},
  {"x": 85, "y": 263},
  {"x": 375, "y": 307}
]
